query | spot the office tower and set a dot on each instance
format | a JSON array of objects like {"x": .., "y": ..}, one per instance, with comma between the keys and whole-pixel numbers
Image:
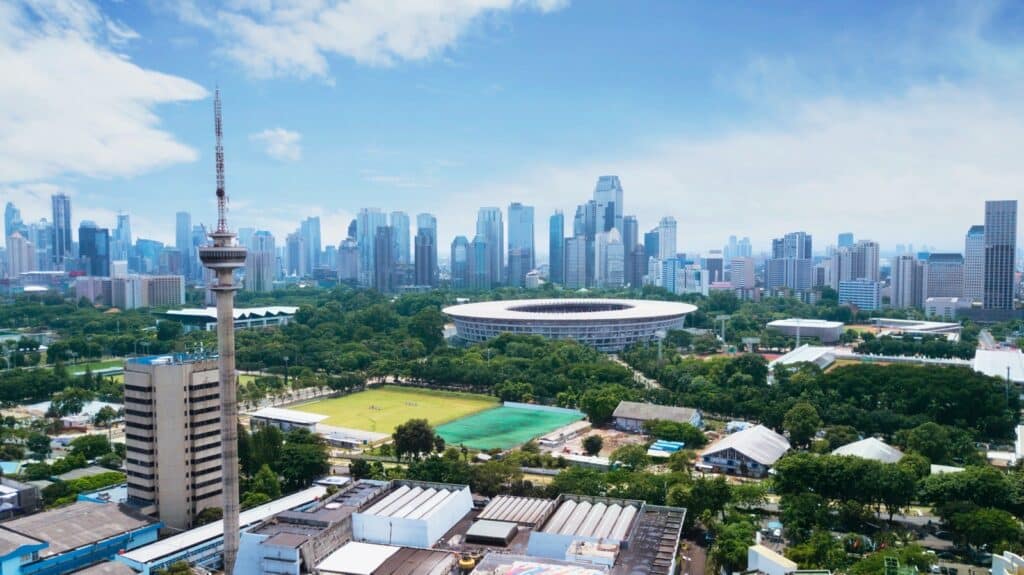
[
  {"x": 490, "y": 225},
  {"x": 126, "y": 292},
  {"x": 556, "y": 247},
  {"x": 199, "y": 239},
  {"x": 845, "y": 240},
  {"x": 163, "y": 290},
  {"x": 864, "y": 293},
  {"x": 666, "y": 273},
  {"x": 173, "y": 437},
  {"x": 223, "y": 258},
  {"x": 608, "y": 204},
  {"x": 348, "y": 261},
  {"x": 667, "y": 238},
  {"x": 245, "y": 237},
  {"x": 715, "y": 266},
  {"x": 21, "y": 255},
  {"x": 12, "y": 219},
  {"x": 61, "y": 205},
  {"x": 118, "y": 268},
  {"x": 576, "y": 262},
  {"x": 907, "y": 281},
  {"x": 630, "y": 240},
  {"x": 790, "y": 264},
  {"x": 480, "y": 264},
  {"x": 459, "y": 263},
  {"x": 295, "y": 254},
  {"x": 122, "y": 241},
  {"x": 865, "y": 260},
  {"x": 149, "y": 254},
  {"x": 309, "y": 229},
  {"x": 170, "y": 261},
  {"x": 1000, "y": 256},
  {"x": 652, "y": 243},
  {"x": 974, "y": 264},
  {"x": 426, "y": 250},
  {"x": 520, "y": 243},
  {"x": 40, "y": 234},
  {"x": 384, "y": 259},
  {"x": 367, "y": 222},
  {"x": 613, "y": 259},
  {"x": 183, "y": 238},
  {"x": 353, "y": 229},
  {"x": 944, "y": 276},
  {"x": 400, "y": 231},
  {"x": 741, "y": 273},
  {"x": 637, "y": 267},
  {"x": 260, "y": 262},
  {"x": 94, "y": 247}
]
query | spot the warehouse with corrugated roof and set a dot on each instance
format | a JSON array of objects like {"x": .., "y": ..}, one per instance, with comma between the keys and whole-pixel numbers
[{"x": 414, "y": 513}]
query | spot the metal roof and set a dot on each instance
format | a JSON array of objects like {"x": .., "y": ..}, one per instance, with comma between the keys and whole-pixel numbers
[
  {"x": 800, "y": 322},
  {"x": 822, "y": 356},
  {"x": 77, "y": 525},
  {"x": 240, "y": 312},
  {"x": 487, "y": 529},
  {"x": 996, "y": 362},
  {"x": 649, "y": 411},
  {"x": 630, "y": 309},
  {"x": 758, "y": 443},
  {"x": 288, "y": 415},
  {"x": 870, "y": 448},
  {"x": 356, "y": 558},
  {"x": 523, "y": 510},
  {"x": 597, "y": 519}
]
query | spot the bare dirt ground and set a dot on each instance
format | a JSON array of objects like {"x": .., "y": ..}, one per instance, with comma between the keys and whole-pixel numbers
[{"x": 613, "y": 439}]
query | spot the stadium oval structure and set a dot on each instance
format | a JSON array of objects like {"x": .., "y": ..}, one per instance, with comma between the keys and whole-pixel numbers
[{"x": 605, "y": 324}]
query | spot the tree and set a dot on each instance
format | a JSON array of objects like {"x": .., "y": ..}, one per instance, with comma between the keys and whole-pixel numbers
[
  {"x": 209, "y": 515},
  {"x": 90, "y": 446},
  {"x": 692, "y": 437},
  {"x": 71, "y": 401},
  {"x": 303, "y": 459},
  {"x": 109, "y": 460},
  {"x": 682, "y": 461},
  {"x": 439, "y": 444},
  {"x": 253, "y": 499},
  {"x": 729, "y": 551},
  {"x": 492, "y": 476},
  {"x": 266, "y": 481},
  {"x": 802, "y": 422},
  {"x": 986, "y": 526},
  {"x": 820, "y": 551},
  {"x": 266, "y": 444},
  {"x": 592, "y": 444},
  {"x": 428, "y": 326},
  {"x": 39, "y": 445},
  {"x": 413, "y": 438},
  {"x": 514, "y": 391},
  {"x": 176, "y": 568},
  {"x": 802, "y": 514},
  {"x": 633, "y": 457},
  {"x": 599, "y": 403},
  {"x": 359, "y": 469},
  {"x": 702, "y": 497},
  {"x": 169, "y": 330},
  {"x": 105, "y": 416}
]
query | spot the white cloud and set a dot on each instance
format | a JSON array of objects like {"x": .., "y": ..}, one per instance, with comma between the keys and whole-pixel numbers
[
  {"x": 280, "y": 144},
  {"x": 72, "y": 105},
  {"x": 295, "y": 37}
]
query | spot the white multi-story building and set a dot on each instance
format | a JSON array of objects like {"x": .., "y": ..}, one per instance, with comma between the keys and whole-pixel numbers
[
  {"x": 172, "y": 436},
  {"x": 741, "y": 273},
  {"x": 863, "y": 293},
  {"x": 667, "y": 238},
  {"x": 907, "y": 281}
]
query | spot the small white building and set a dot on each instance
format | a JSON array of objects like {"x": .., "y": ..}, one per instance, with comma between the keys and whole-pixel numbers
[
  {"x": 945, "y": 307},
  {"x": 285, "y": 419},
  {"x": 414, "y": 514},
  {"x": 631, "y": 415},
  {"x": 826, "y": 331},
  {"x": 751, "y": 452}
]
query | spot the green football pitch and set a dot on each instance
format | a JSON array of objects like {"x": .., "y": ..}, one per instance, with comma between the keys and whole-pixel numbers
[
  {"x": 505, "y": 427},
  {"x": 381, "y": 409}
]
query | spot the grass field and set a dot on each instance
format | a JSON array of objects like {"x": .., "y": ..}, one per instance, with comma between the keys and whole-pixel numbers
[
  {"x": 381, "y": 409},
  {"x": 504, "y": 427},
  {"x": 80, "y": 368}
]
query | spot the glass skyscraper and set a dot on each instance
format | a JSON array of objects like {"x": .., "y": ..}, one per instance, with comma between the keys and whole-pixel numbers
[
  {"x": 1000, "y": 252},
  {"x": 556, "y": 247},
  {"x": 520, "y": 243}
]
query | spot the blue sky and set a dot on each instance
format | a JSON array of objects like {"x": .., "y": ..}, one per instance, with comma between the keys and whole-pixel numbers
[{"x": 892, "y": 120}]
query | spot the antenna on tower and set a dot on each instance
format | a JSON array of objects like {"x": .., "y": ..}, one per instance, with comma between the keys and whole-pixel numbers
[{"x": 222, "y": 195}]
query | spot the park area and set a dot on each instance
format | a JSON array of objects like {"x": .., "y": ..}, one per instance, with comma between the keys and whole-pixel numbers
[
  {"x": 506, "y": 427},
  {"x": 381, "y": 409}
]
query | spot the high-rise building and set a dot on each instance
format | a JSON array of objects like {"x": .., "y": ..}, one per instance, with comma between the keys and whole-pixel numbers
[
  {"x": 652, "y": 245},
  {"x": 630, "y": 240},
  {"x": 400, "y": 231},
  {"x": 790, "y": 264},
  {"x": 864, "y": 260},
  {"x": 173, "y": 437},
  {"x": 520, "y": 243},
  {"x": 667, "y": 238},
  {"x": 864, "y": 293},
  {"x": 61, "y": 205},
  {"x": 459, "y": 263},
  {"x": 295, "y": 254},
  {"x": 637, "y": 267},
  {"x": 741, "y": 273},
  {"x": 907, "y": 281},
  {"x": 608, "y": 204},
  {"x": 94, "y": 247},
  {"x": 384, "y": 260},
  {"x": 944, "y": 276},
  {"x": 12, "y": 220},
  {"x": 426, "y": 250},
  {"x": 310, "y": 231},
  {"x": 612, "y": 256},
  {"x": 480, "y": 264},
  {"x": 21, "y": 255},
  {"x": 556, "y": 247},
  {"x": 40, "y": 234},
  {"x": 163, "y": 290},
  {"x": 974, "y": 264},
  {"x": 348, "y": 261},
  {"x": 367, "y": 222},
  {"x": 183, "y": 239},
  {"x": 845, "y": 240},
  {"x": 245, "y": 237},
  {"x": 121, "y": 245},
  {"x": 1000, "y": 253},
  {"x": 491, "y": 227},
  {"x": 260, "y": 262},
  {"x": 737, "y": 249},
  {"x": 715, "y": 266},
  {"x": 353, "y": 229},
  {"x": 576, "y": 262}
]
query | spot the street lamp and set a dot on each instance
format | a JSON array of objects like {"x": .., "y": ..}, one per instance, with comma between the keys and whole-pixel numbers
[{"x": 286, "y": 371}]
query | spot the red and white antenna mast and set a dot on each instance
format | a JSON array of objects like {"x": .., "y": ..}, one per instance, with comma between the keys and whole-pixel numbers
[{"x": 222, "y": 195}]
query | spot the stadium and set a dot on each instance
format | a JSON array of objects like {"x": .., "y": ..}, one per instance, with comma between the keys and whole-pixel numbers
[{"x": 605, "y": 324}]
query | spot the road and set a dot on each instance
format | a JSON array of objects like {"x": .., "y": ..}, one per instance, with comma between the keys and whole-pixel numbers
[
  {"x": 637, "y": 376},
  {"x": 986, "y": 341}
]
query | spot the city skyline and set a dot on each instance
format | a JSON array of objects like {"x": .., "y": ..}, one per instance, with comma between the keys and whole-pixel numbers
[{"x": 763, "y": 134}]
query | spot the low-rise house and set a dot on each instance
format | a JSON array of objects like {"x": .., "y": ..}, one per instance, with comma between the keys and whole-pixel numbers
[{"x": 631, "y": 415}]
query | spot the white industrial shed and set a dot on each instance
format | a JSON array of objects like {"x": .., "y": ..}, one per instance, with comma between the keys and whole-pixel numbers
[
  {"x": 1001, "y": 363},
  {"x": 414, "y": 514},
  {"x": 521, "y": 510},
  {"x": 593, "y": 519},
  {"x": 870, "y": 448}
]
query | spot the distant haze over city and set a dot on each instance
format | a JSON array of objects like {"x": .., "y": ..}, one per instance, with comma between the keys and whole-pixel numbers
[{"x": 892, "y": 122}]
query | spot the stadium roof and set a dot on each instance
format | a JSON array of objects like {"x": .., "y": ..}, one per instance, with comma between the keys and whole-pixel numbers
[
  {"x": 996, "y": 362},
  {"x": 288, "y": 415},
  {"x": 193, "y": 537},
  {"x": 800, "y": 322},
  {"x": 562, "y": 309},
  {"x": 650, "y": 411},
  {"x": 758, "y": 443},
  {"x": 870, "y": 448}
]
